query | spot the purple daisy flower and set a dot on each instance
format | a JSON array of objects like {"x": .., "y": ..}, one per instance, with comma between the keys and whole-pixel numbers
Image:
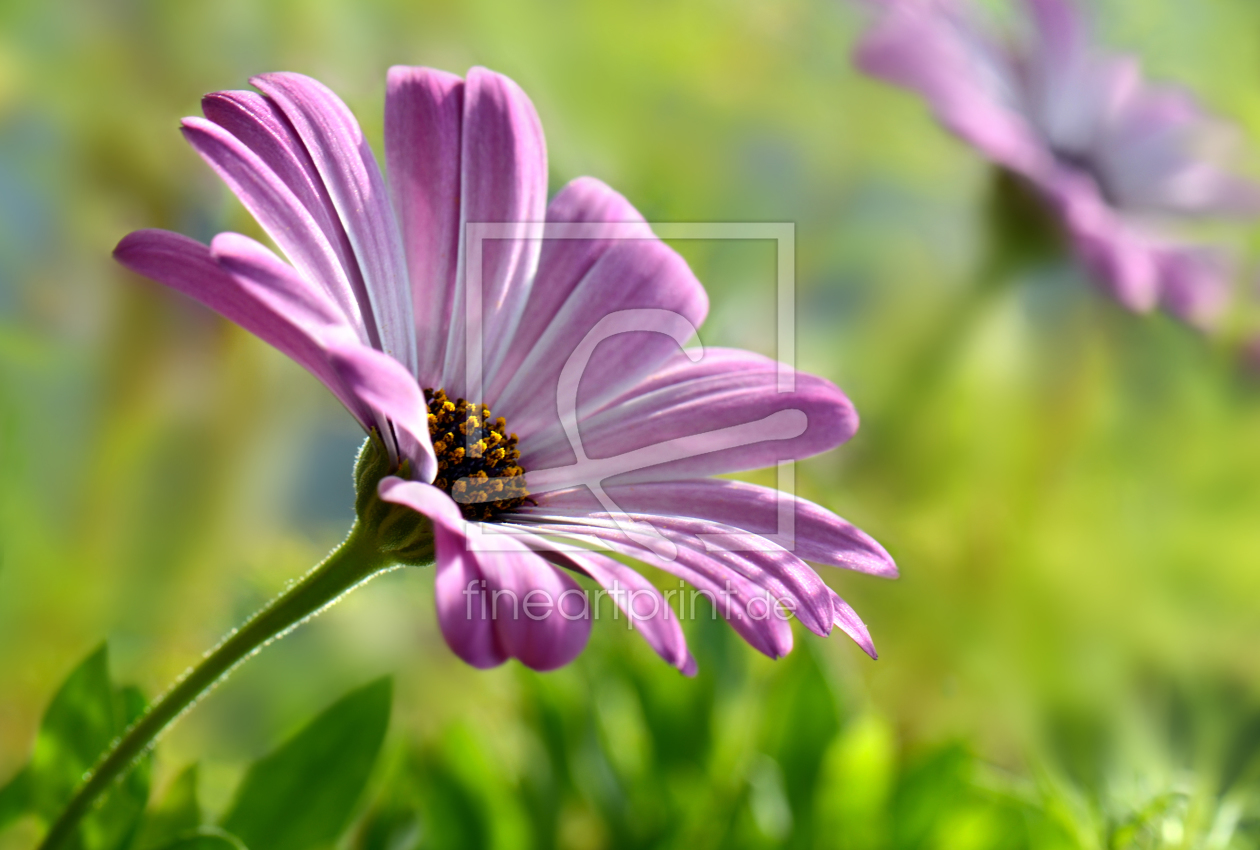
[
  {"x": 529, "y": 468},
  {"x": 1117, "y": 159}
]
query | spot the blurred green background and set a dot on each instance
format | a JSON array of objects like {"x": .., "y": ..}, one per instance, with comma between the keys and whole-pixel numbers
[{"x": 1069, "y": 658}]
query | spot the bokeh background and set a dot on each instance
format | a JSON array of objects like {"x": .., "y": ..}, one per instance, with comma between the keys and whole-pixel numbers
[{"x": 1073, "y": 493}]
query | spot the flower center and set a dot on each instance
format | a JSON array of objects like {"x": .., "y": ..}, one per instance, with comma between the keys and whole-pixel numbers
[{"x": 477, "y": 457}]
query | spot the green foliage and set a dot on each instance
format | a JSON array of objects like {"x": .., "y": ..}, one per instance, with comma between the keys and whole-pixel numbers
[
  {"x": 85, "y": 715},
  {"x": 656, "y": 765},
  {"x": 77, "y": 727},
  {"x": 207, "y": 840},
  {"x": 1072, "y": 497},
  {"x": 179, "y": 813},
  {"x": 15, "y": 797},
  {"x": 303, "y": 794}
]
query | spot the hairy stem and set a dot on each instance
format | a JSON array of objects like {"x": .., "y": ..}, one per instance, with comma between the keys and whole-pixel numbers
[{"x": 352, "y": 563}]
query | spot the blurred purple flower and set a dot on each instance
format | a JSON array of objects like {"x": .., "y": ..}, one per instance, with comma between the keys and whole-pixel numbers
[
  {"x": 1115, "y": 157},
  {"x": 374, "y": 304}
]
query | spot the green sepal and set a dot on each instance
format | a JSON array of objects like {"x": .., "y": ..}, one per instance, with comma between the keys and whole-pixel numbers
[
  {"x": 400, "y": 532},
  {"x": 1023, "y": 228}
]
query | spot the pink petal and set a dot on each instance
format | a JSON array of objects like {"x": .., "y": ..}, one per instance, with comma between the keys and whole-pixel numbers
[
  {"x": 848, "y": 622},
  {"x": 645, "y": 608},
  {"x": 424, "y": 113},
  {"x": 386, "y": 386},
  {"x": 526, "y": 608},
  {"x": 275, "y": 207},
  {"x": 254, "y": 122},
  {"x": 1120, "y": 260},
  {"x": 767, "y": 565},
  {"x": 740, "y": 601},
  {"x": 349, "y": 171},
  {"x": 563, "y": 264},
  {"x": 260, "y": 293},
  {"x": 817, "y": 534},
  {"x": 504, "y": 180},
  {"x": 721, "y": 414},
  {"x": 632, "y": 275},
  {"x": 935, "y": 50},
  {"x": 1195, "y": 285},
  {"x": 541, "y": 615},
  {"x": 460, "y": 592},
  {"x": 1059, "y": 27}
]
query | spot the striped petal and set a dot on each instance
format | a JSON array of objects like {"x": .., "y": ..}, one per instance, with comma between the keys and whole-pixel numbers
[
  {"x": 723, "y": 413},
  {"x": 254, "y": 122},
  {"x": 815, "y": 533},
  {"x": 246, "y": 284},
  {"x": 424, "y": 113},
  {"x": 349, "y": 170},
  {"x": 500, "y": 600}
]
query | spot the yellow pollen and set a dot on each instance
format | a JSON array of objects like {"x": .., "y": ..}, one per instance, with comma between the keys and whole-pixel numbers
[{"x": 476, "y": 457}]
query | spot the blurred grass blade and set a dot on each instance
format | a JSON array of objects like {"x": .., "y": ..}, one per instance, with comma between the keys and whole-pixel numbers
[
  {"x": 209, "y": 839},
  {"x": 178, "y": 814},
  {"x": 15, "y": 798},
  {"x": 302, "y": 795}
]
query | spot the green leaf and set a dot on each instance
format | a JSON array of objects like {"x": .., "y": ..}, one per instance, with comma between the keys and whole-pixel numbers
[
  {"x": 178, "y": 814},
  {"x": 77, "y": 727},
  {"x": 204, "y": 839},
  {"x": 15, "y": 798},
  {"x": 302, "y": 795},
  {"x": 82, "y": 720},
  {"x": 113, "y": 823}
]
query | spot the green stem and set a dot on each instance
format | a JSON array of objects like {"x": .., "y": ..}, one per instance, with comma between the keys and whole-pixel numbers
[
  {"x": 935, "y": 354},
  {"x": 354, "y": 562}
]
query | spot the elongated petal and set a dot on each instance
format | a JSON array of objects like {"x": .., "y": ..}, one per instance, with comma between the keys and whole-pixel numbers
[
  {"x": 353, "y": 178},
  {"x": 848, "y": 622},
  {"x": 385, "y": 385},
  {"x": 503, "y": 180},
  {"x": 646, "y": 609},
  {"x": 767, "y": 565},
  {"x": 741, "y": 602},
  {"x": 1120, "y": 259},
  {"x": 588, "y": 218},
  {"x": 643, "y": 282},
  {"x": 1058, "y": 25},
  {"x": 463, "y": 601},
  {"x": 264, "y": 296},
  {"x": 934, "y": 49},
  {"x": 500, "y": 600},
  {"x": 1162, "y": 152},
  {"x": 258, "y": 125},
  {"x": 721, "y": 414},
  {"x": 424, "y": 114},
  {"x": 816, "y": 533},
  {"x": 425, "y": 499},
  {"x": 271, "y": 202},
  {"x": 541, "y": 615},
  {"x": 1195, "y": 285},
  {"x": 461, "y": 594}
]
